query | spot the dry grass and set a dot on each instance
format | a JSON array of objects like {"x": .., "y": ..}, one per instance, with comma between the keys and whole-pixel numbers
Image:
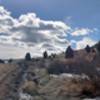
[{"x": 30, "y": 87}]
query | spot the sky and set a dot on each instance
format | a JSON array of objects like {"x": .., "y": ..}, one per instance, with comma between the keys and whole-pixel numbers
[{"x": 38, "y": 25}]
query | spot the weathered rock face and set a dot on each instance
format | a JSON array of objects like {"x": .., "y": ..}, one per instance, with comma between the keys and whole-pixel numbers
[
  {"x": 68, "y": 86},
  {"x": 60, "y": 87},
  {"x": 58, "y": 78}
]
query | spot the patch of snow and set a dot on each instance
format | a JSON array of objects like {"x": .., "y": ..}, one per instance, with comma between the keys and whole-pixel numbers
[
  {"x": 54, "y": 76},
  {"x": 67, "y": 75},
  {"x": 84, "y": 76},
  {"x": 24, "y": 96},
  {"x": 98, "y": 98}
]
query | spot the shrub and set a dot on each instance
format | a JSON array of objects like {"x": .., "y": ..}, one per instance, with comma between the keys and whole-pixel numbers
[
  {"x": 2, "y": 61},
  {"x": 10, "y": 60},
  {"x": 57, "y": 68}
]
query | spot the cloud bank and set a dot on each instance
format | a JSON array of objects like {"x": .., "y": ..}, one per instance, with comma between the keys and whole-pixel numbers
[
  {"x": 81, "y": 44},
  {"x": 29, "y": 33},
  {"x": 82, "y": 32}
]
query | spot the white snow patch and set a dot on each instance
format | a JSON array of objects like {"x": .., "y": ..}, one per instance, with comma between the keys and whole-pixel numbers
[
  {"x": 25, "y": 96},
  {"x": 67, "y": 75},
  {"x": 97, "y": 98}
]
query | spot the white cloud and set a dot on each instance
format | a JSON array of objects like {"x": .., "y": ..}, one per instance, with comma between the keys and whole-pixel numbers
[
  {"x": 29, "y": 31},
  {"x": 82, "y": 32},
  {"x": 85, "y": 41}
]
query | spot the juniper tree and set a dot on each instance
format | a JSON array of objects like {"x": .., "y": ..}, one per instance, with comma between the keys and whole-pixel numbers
[
  {"x": 28, "y": 57},
  {"x": 98, "y": 46},
  {"x": 69, "y": 52},
  {"x": 45, "y": 55},
  {"x": 88, "y": 49}
]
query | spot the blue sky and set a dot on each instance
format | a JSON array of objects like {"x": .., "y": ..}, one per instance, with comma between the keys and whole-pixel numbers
[
  {"x": 83, "y": 13},
  {"x": 82, "y": 16}
]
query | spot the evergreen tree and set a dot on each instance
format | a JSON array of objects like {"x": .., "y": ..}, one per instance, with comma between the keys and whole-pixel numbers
[
  {"x": 69, "y": 52},
  {"x": 45, "y": 55},
  {"x": 98, "y": 46},
  {"x": 28, "y": 57},
  {"x": 88, "y": 49}
]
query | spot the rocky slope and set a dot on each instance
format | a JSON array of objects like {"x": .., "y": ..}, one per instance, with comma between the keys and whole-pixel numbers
[{"x": 53, "y": 78}]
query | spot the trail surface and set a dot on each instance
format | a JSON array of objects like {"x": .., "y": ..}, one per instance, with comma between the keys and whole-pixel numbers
[{"x": 10, "y": 80}]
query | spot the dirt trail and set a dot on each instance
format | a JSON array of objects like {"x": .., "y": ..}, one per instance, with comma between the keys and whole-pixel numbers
[{"x": 10, "y": 81}]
